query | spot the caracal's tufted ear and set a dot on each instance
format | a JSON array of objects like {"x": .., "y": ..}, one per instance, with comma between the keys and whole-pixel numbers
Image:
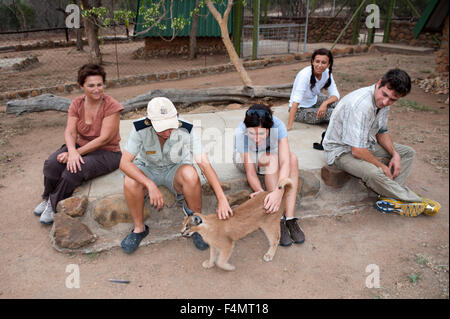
[{"x": 196, "y": 220}]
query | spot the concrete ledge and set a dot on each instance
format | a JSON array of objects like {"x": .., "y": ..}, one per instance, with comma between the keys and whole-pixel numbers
[
  {"x": 402, "y": 49},
  {"x": 314, "y": 197}
]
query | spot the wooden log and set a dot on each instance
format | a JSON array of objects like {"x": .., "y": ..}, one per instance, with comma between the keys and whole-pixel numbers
[
  {"x": 184, "y": 98},
  {"x": 39, "y": 103},
  {"x": 232, "y": 94}
]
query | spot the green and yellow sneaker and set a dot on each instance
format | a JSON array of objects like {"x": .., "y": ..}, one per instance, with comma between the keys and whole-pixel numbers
[
  {"x": 432, "y": 206},
  {"x": 408, "y": 209}
]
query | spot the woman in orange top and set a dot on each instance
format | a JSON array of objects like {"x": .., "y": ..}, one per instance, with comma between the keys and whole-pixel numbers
[{"x": 92, "y": 142}]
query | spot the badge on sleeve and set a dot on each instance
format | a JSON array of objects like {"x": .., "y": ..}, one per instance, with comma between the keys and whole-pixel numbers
[{"x": 141, "y": 124}]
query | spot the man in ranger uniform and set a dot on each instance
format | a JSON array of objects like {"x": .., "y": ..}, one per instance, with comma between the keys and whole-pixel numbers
[{"x": 160, "y": 151}]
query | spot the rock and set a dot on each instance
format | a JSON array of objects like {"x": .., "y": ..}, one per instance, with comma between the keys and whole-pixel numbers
[
  {"x": 434, "y": 84},
  {"x": 308, "y": 184},
  {"x": 73, "y": 206},
  {"x": 238, "y": 197},
  {"x": 334, "y": 177},
  {"x": 307, "y": 55},
  {"x": 298, "y": 56},
  {"x": 39, "y": 103},
  {"x": 207, "y": 189},
  {"x": 69, "y": 232},
  {"x": 348, "y": 50},
  {"x": 112, "y": 210},
  {"x": 289, "y": 58},
  {"x": 35, "y": 93}
]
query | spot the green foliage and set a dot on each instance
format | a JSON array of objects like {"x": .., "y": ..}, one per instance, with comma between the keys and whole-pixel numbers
[
  {"x": 9, "y": 21},
  {"x": 413, "y": 105},
  {"x": 153, "y": 15},
  {"x": 11, "y": 17},
  {"x": 414, "y": 278}
]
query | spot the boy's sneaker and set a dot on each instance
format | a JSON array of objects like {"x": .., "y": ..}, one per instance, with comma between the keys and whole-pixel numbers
[
  {"x": 297, "y": 234},
  {"x": 432, "y": 206},
  {"x": 409, "y": 209},
  {"x": 285, "y": 238},
  {"x": 47, "y": 215},
  {"x": 40, "y": 208}
]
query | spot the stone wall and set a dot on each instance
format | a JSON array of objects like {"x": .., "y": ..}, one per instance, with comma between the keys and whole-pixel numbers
[
  {"x": 442, "y": 53},
  {"x": 401, "y": 30},
  {"x": 179, "y": 46},
  {"x": 51, "y": 44},
  {"x": 317, "y": 25},
  {"x": 402, "y": 33}
]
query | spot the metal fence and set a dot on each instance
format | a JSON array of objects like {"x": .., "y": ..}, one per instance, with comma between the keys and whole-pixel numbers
[
  {"x": 59, "y": 59},
  {"x": 282, "y": 29},
  {"x": 279, "y": 37},
  {"x": 274, "y": 39}
]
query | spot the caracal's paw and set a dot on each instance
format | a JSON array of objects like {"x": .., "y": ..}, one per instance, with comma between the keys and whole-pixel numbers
[
  {"x": 268, "y": 257},
  {"x": 227, "y": 267},
  {"x": 207, "y": 264}
]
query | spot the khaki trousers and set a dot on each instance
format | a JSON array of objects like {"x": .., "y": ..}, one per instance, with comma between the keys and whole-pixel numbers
[{"x": 374, "y": 177}]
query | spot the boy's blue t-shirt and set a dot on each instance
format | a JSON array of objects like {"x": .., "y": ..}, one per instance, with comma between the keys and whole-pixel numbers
[{"x": 243, "y": 144}]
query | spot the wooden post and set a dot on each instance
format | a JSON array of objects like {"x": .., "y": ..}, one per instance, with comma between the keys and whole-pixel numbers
[
  {"x": 237, "y": 26},
  {"x": 387, "y": 25},
  {"x": 255, "y": 29},
  {"x": 265, "y": 6},
  {"x": 356, "y": 23},
  {"x": 371, "y": 33}
]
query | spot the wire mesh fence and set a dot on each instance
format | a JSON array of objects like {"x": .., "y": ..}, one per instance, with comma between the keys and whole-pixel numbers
[
  {"x": 54, "y": 57},
  {"x": 274, "y": 39}
]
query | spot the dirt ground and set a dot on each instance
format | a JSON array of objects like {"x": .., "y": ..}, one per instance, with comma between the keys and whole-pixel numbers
[{"x": 336, "y": 260}]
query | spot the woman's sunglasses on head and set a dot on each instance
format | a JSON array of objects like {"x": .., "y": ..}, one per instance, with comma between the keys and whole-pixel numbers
[{"x": 259, "y": 112}]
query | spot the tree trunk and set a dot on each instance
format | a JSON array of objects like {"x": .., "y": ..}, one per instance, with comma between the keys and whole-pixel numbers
[
  {"x": 193, "y": 35},
  {"x": 227, "y": 42},
  {"x": 79, "y": 34},
  {"x": 95, "y": 56},
  {"x": 356, "y": 22},
  {"x": 21, "y": 17}
]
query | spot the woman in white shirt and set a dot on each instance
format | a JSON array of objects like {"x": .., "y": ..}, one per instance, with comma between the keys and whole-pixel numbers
[{"x": 307, "y": 104}]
